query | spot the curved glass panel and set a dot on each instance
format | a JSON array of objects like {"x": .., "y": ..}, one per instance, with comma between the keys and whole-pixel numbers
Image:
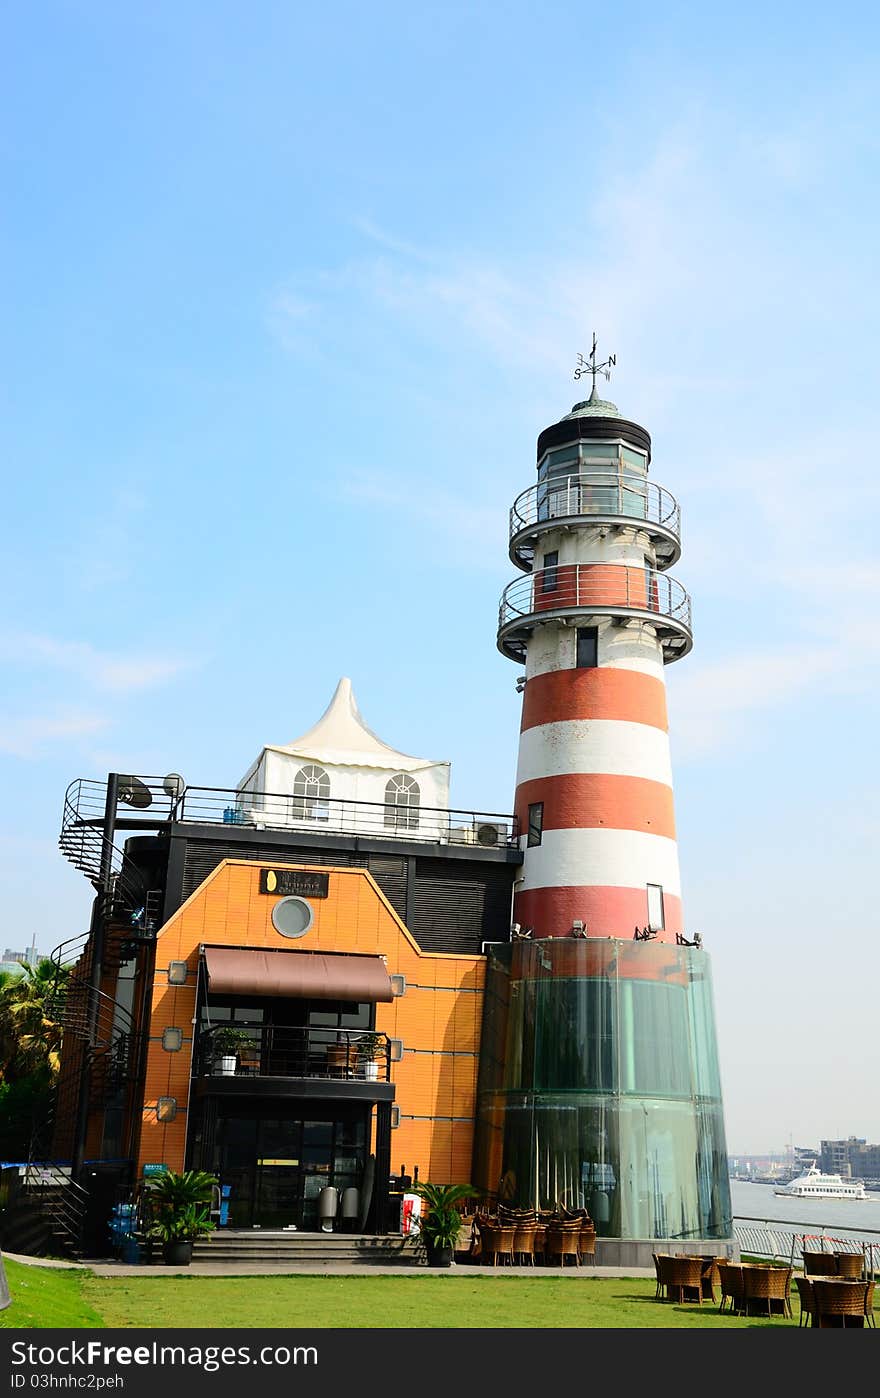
[{"x": 599, "y": 1086}]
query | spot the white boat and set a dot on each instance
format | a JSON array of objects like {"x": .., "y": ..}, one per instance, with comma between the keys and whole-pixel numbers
[{"x": 815, "y": 1185}]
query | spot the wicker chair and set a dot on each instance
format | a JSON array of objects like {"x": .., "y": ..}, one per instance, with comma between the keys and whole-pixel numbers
[
  {"x": 660, "y": 1290},
  {"x": 562, "y": 1240},
  {"x": 819, "y": 1264},
  {"x": 587, "y": 1241},
  {"x": 684, "y": 1275},
  {"x": 766, "y": 1289},
  {"x": 524, "y": 1242},
  {"x": 839, "y": 1303},
  {"x": 869, "y": 1304},
  {"x": 496, "y": 1240},
  {"x": 849, "y": 1264},
  {"x": 807, "y": 1301},
  {"x": 466, "y": 1246},
  {"x": 730, "y": 1275}
]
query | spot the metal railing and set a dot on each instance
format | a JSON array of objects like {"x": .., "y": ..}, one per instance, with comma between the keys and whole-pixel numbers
[
  {"x": 780, "y": 1240},
  {"x": 283, "y": 1051},
  {"x": 83, "y": 842},
  {"x": 280, "y": 811},
  {"x": 211, "y": 805},
  {"x": 597, "y": 588},
  {"x": 607, "y": 494}
]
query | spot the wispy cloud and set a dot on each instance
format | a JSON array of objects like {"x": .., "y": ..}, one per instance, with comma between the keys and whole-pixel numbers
[
  {"x": 103, "y": 670},
  {"x": 30, "y": 737}
]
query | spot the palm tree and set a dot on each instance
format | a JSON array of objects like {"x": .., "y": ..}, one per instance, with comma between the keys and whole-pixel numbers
[{"x": 30, "y": 1033}]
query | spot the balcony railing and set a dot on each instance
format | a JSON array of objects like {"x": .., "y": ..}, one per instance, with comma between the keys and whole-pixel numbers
[
  {"x": 282, "y": 1051},
  {"x": 595, "y": 589},
  {"x": 84, "y": 809},
  {"x": 609, "y": 495}
]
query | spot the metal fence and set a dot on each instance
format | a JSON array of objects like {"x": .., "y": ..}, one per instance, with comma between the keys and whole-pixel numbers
[{"x": 781, "y": 1241}]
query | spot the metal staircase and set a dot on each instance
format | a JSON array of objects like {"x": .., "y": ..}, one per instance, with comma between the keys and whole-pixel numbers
[{"x": 99, "y": 1053}]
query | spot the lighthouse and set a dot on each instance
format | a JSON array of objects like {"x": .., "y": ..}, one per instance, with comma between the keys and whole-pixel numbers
[
  {"x": 599, "y": 1086},
  {"x": 595, "y": 620}
]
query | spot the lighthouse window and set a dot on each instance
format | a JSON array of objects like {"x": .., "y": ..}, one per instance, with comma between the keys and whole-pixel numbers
[
  {"x": 536, "y": 823},
  {"x": 656, "y": 920},
  {"x": 587, "y": 647},
  {"x": 550, "y": 576}
]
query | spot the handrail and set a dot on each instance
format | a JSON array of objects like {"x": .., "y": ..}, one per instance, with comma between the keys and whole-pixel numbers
[
  {"x": 293, "y": 1051},
  {"x": 210, "y": 805},
  {"x": 84, "y": 813},
  {"x": 617, "y": 494},
  {"x": 87, "y": 848},
  {"x": 598, "y": 588}
]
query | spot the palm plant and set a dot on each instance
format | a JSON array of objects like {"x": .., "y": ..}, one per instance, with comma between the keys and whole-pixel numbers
[
  {"x": 179, "y": 1206},
  {"x": 441, "y": 1224}
]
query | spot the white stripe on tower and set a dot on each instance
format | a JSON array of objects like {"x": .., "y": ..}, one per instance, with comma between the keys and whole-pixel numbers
[{"x": 594, "y": 756}]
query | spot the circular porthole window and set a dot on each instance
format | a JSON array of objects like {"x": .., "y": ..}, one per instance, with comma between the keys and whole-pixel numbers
[{"x": 292, "y": 917}]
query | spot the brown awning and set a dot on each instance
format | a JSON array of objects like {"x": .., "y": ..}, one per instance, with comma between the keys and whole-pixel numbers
[{"x": 307, "y": 975}]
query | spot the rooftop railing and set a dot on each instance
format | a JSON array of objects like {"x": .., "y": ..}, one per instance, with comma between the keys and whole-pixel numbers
[{"x": 154, "y": 805}]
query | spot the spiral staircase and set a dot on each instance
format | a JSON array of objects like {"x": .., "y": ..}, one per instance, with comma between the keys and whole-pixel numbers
[{"x": 100, "y": 1053}]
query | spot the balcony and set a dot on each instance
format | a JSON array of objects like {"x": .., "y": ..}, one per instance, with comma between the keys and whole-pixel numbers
[
  {"x": 590, "y": 591},
  {"x": 282, "y": 1051},
  {"x": 599, "y": 497}
]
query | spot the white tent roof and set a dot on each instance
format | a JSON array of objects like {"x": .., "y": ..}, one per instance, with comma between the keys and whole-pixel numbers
[{"x": 341, "y": 738}]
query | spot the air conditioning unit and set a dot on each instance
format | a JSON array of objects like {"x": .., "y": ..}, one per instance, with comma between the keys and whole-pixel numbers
[{"x": 489, "y": 834}]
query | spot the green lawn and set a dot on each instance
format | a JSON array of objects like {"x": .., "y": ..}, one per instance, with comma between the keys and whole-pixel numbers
[{"x": 44, "y": 1298}]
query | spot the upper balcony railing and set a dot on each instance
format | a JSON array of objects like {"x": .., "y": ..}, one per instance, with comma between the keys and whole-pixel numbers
[
  {"x": 595, "y": 590},
  {"x": 601, "y": 496},
  {"x": 153, "y": 805},
  {"x": 281, "y": 1051}
]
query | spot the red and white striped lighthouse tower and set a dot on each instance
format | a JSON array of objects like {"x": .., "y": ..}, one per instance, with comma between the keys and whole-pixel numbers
[{"x": 595, "y": 619}]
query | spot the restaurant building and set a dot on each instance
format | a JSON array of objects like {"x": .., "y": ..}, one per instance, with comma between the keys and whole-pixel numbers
[{"x": 325, "y": 976}]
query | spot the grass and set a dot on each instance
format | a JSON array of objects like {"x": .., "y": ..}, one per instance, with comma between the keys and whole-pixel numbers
[{"x": 43, "y": 1298}]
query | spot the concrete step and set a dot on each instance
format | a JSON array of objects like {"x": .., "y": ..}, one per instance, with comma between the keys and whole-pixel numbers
[{"x": 318, "y": 1248}]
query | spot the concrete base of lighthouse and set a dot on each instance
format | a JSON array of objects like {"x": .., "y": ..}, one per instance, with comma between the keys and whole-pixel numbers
[
  {"x": 639, "y": 1252},
  {"x": 599, "y": 1090}
]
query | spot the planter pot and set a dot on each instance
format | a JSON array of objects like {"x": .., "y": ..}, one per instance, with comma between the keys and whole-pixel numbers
[
  {"x": 177, "y": 1254},
  {"x": 226, "y": 1065},
  {"x": 371, "y": 1071},
  {"x": 439, "y": 1256}
]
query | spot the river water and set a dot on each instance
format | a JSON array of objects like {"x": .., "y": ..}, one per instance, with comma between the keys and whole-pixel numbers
[{"x": 757, "y": 1206}]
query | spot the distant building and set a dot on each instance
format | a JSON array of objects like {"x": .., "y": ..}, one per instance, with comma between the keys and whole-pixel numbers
[
  {"x": 852, "y": 1157},
  {"x": 29, "y": 957}
]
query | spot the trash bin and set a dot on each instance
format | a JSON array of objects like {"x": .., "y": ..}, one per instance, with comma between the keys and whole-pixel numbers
[
  {"x": 351, "y": 1205},
  {"x": 328, "y": 1203}
]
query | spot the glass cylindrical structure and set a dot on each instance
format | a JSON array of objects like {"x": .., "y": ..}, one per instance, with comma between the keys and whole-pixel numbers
[{"x": 599, "y": 1086}]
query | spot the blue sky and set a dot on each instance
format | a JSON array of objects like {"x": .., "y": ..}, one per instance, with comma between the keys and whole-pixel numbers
[{"x": 288, "y": 296}]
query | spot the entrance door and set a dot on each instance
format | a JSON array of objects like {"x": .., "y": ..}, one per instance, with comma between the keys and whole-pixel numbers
[
  {"x": 278, "y": 1173},
  {"x": 277, "y": 1166}
]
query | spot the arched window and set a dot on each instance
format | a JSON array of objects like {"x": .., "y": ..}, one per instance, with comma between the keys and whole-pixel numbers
[
  {"x": 402, "y": 795},
  {"x": 311, "y": 793}
]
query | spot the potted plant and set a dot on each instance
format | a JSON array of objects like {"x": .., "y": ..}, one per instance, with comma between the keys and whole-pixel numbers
[
  {"x": 226, "y": 1042},
  {"x": 179, "y": 1208},
  {"x": 368, "y": 1046},
  {"x": 440, "y": 1224}
]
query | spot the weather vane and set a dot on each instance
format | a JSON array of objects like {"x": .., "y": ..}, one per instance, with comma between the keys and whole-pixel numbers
[{"x": 589, "y": 366}]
